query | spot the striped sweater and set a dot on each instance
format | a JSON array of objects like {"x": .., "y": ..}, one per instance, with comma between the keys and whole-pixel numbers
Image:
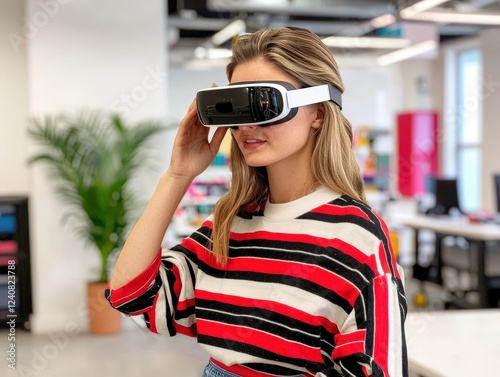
[{"x": 311, "y": 288}]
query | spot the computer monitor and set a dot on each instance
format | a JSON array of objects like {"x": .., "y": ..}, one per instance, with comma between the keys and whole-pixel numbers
[
  {"x": 446, "y": 196},
  {"x": 496, "y": 178}
]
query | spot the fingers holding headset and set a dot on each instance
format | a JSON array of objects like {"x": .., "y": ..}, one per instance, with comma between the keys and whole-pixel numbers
[{"x": 193, "y": 148}]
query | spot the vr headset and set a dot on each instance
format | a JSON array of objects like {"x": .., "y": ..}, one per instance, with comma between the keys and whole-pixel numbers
[{"x": 259, "y": 103}]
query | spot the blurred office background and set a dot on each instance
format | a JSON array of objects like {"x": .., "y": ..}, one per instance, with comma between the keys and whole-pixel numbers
[{"x": 422, "y": 94}]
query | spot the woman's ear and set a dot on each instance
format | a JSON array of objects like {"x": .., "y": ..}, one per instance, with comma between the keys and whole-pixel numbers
[{"x": 320, "y": 116}]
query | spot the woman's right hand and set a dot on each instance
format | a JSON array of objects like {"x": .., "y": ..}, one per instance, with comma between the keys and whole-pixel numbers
[{"x": 192, "y": 152}]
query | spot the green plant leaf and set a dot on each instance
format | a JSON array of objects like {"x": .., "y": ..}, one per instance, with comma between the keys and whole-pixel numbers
[{"x": 92, "y": 158}]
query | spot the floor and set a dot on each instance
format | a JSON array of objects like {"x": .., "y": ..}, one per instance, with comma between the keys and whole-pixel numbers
[{"x": 132, "y": 353}]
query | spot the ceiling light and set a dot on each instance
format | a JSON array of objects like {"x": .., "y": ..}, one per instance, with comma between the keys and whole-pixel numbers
[
  {"x": 419, "y": 7},
  {"x": 368, "y": 26},
  {"x": 407, "y": 53},
  {"x": 459, "y": 18},
  {"x": 382, "y": 21},
  {"x": 366, "y": 42},
  {"x": 227, "y": 33}
]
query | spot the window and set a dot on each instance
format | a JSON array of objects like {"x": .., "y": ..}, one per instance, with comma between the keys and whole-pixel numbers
[
  {"x": 463, "y": 131},
  {"x": 469, "y": 129}
]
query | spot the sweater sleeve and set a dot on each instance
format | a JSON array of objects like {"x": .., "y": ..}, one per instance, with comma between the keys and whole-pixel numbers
[
  {"x": 371, "y": 342},
  {"x": 163, "y": 295}
]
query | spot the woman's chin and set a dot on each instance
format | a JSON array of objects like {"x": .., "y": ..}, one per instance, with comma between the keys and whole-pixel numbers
[{"x": 256, "y": 165}]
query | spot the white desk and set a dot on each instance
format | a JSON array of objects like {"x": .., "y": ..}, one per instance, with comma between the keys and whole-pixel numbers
[
  {"x": 476, "y": 233},
  {"x": 453, "y": 226},
  {"x": 460, "y": 343}
]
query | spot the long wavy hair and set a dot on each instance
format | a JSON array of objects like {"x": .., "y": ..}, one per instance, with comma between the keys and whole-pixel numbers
[{"x": 303, "y": 56}]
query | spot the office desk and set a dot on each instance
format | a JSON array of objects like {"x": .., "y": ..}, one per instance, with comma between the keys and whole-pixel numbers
[
  {"x": 478, "y": 234},
  {"x": 458, "y": 343}
]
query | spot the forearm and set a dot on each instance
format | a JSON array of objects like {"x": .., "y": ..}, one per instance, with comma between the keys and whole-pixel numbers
[{"x": 146, "y": 237}]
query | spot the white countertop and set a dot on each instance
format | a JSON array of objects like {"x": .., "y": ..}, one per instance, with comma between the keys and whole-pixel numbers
[{"x": 460, "y": 343}]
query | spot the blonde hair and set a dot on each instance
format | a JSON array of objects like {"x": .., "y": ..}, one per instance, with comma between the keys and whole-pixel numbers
[{"x": 303, "y": 56}]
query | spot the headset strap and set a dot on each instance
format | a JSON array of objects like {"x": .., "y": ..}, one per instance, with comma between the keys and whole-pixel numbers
[{"x": 314, "y": 94}]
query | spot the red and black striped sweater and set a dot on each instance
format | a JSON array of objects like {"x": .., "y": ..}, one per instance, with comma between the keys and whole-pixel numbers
[{"x": 311, "y": 287}]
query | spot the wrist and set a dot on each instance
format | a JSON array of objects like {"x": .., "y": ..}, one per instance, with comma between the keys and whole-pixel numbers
[{"x": 178, "y": 179}]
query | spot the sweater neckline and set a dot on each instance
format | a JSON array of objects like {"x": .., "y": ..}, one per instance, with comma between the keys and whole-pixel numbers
[{"x": 295, "y": 208}]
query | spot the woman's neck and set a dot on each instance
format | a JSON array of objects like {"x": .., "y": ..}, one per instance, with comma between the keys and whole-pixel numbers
[{"x": 286, "y": 185}]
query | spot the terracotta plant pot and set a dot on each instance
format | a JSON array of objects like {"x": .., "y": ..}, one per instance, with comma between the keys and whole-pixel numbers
[{"x": 103, "y": 319}]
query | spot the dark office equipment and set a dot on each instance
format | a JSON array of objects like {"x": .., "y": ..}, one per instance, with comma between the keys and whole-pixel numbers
[
  {"x": 15, "y": 270},
  {"x": 496, "y": 178},
  {"x": 446, "y": 197}
]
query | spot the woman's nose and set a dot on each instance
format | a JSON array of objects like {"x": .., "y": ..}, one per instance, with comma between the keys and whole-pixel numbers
[{"x": 245, "y": 127}]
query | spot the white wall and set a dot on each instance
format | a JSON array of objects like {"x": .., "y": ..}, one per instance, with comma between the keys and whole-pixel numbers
[
  {"x": 372, "y": 95},
  {"x": 13, "y": 101},
  {"x": 417, "y": 78},
  {"x": 85, "y": 54}
]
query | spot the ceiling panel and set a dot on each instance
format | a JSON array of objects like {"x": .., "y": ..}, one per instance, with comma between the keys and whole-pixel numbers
[{"x": 191, "y": 23}]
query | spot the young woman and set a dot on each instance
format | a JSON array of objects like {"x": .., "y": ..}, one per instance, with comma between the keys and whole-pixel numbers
[{"x": 293, "y": 274}]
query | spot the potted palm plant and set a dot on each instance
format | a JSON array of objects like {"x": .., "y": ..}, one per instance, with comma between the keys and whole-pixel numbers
[{"x": 93, "y": 158}]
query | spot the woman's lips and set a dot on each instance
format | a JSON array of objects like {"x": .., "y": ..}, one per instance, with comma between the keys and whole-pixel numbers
[{"x": 250, "y": 143}]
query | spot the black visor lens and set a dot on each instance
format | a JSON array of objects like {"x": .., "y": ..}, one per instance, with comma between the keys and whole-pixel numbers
[{"x": 241, "y": 105}]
